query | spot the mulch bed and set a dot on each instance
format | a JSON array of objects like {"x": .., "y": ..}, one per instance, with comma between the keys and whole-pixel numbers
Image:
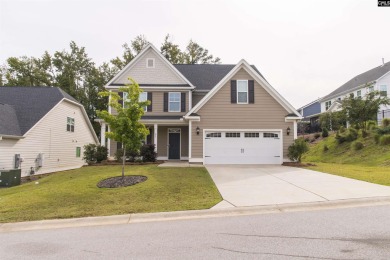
[
  {"x": 296, "y": 164},
  {"x": 105, "y": 163},
  {"x": 116, "y": 182}
]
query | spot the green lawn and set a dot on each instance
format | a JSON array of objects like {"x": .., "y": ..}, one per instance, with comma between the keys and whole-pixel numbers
[
  {"x": 369, "y": 164},
  {"x": 74, "y": 193},
  {"x": 379, "y": 174}
]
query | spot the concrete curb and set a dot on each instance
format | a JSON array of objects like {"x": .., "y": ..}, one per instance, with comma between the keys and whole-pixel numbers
[{"x": 191, "y": 214}]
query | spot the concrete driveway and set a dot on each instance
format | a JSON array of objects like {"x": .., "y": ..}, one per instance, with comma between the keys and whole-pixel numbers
[{"x": 254, "y": 185}]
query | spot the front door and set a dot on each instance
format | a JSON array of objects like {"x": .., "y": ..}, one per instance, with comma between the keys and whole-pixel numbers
[{"x": 174, "y": 144}]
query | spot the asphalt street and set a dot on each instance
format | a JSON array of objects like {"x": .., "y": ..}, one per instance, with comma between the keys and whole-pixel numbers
[{"x": 353, "y": 233}]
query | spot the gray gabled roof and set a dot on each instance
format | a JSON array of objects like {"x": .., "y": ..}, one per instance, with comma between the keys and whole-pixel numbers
[
  {"x": 29, "y": 105},
  {"x": 360, "y": 80},
  {"x": 206, "y": 76}
]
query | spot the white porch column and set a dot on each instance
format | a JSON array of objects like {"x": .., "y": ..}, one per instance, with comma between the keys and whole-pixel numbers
[
  {"x": 103, "y": 134},
  {"x": 155, "y": 136}
]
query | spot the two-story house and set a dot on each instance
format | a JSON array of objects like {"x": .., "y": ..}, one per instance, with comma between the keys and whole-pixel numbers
[
  {"x": 209, "y": 113},
  {"x": 377, "y": 79}
]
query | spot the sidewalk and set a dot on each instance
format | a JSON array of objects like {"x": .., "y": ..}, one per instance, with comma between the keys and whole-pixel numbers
[{"x": 191, "y": 214}]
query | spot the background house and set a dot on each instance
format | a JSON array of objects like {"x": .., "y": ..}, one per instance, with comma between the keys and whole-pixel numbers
[
  {"x": 311, "y": 114},
  {"x": 377, "y": 79},
  {"x": 42, "y": 129}
]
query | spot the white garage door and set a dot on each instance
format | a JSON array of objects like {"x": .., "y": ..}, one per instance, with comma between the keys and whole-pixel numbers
[{"x": 243, "y": 147}]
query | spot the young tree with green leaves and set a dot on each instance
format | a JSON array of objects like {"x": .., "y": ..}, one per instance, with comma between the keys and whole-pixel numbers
[
  {"x": 360, "y": 110},
  {"x": 125, "y": 125}
]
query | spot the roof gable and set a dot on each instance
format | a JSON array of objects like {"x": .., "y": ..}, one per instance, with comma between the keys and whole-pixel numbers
[
  {"x": 162, "y": 74},
  {"x": 257, "y": 77},
  {"x": 360, "y": 80}
]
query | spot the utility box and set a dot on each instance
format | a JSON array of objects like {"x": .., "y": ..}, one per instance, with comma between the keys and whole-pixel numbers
[
  {"x": 17, "y": 161},
  {"x": 40, "y": 159},
  {"x": 9, "y": 178}
]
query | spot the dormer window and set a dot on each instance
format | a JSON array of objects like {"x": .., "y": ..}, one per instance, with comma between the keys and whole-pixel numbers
[{"x": 150, "y": 63}]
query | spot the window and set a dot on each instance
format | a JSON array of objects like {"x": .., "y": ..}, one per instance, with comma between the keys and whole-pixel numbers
[
  {"x": 125, "y": 99},
  {"x": 270, "y": 135},
  {"x": 143, "y": 97},
  {"x": 214, "y": 135},
  {"x": 359, "y": 93},
  {"x": 78, "y": 152},
  {"x": 150, "y": 63},
  {"x": 174, "y": 101},
  {"x": 383, "y": 90},
  {"x": 328, "y": 104},
  {"x": 371, "y": 89},
  {"x": 242, "y": 92},
  {"x": 232, "y": 135},
  {"x": 70, "y": 124},
  {"x": 252, "y": 135}
]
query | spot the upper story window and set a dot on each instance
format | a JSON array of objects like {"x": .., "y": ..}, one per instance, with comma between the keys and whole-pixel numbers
[
  {"x": 242, "y": 92},
  {"x": 383, "y": 90},
  {"x": 174, "y": 102},
  {"x": 150, "y": 63},
  {"x": 70, "y": 124},
  {"x": 359, "y": 93},
  {"x": 328, "y": 104},
  {"x": 143, "y": 97}
]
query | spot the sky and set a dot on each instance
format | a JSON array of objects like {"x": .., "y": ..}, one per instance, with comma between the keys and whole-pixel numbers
[{"x": 304, "y": 48}]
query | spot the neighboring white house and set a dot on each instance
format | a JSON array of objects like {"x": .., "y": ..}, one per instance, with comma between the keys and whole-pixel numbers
[
  {"x": 378, "y": 79},
  {"x": 42, "y": 129}
]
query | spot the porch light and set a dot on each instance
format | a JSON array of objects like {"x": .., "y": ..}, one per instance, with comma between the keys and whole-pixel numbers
[
  {"x": 197, "y": 130},
  {"x": 288, "y": 130}
]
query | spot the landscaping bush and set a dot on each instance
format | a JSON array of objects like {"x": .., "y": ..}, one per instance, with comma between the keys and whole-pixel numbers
[
  {"x": 101, "y": 153},
  {"x": 350, "y": 135},
  {"x": 148, "y": 153},
  {"x": 297, "y": 149},
  {"x": 383, "y": 130},
  {"x": 377, "y": 138},
  {"x": 357, "y": 145},
  {"x": 325, "y": 149},
  {"x": 325, "y": 132},
  {"x": 307, "y": 139},
  {"x": 386, "y": 122},
  {"x": 371, "y": 124},
  {"x": 130, "y": 155},
  {"x": 342, "y": 129},
  {"x": 317, "y": 135},
  {"x": 385, "y": 140},
  {"x": 95, "y": 153}
]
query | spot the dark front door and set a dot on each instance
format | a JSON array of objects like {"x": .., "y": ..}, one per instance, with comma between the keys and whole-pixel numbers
[{"x": 174, "y": 146}]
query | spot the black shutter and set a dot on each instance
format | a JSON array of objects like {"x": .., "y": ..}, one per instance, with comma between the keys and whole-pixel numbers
[
  {"x": 150, "y": 98},
  {"x": 121, "y": 100},
  {"x": 165, "y": 102},
  {"x": 233, "y": 93},
  {"x": 183, "y": 102},
  {"x": 251, "y": 89}
]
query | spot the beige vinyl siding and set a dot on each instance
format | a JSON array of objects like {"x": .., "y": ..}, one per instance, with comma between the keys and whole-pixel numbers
[
  {"x": 160, "y": 74},
  {"x": 50, "y": 137},
  {"x": 158, "y": 105},
  {"x": 219, "y": 113},
  {"x": 196, "y": 97}
]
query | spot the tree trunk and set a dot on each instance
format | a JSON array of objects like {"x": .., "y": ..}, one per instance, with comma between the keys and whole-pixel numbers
[{"x": 123, "y": 162}]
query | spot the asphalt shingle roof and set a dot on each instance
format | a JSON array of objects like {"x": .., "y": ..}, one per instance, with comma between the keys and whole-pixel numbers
[
  {"x": 206, "y": 76},
  {"x": 29, "y": 104},
  {"x": 9, "y": 124},
  {"x": 361, "y": 79}
]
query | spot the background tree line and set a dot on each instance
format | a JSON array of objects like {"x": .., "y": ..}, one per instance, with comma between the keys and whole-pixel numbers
[{"x": 75, "y": 72}]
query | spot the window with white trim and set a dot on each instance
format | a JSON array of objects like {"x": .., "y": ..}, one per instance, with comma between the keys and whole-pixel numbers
[
  {"x": 242, "y": 92},
  {"x": 359, "y": 93},
  {"x": 270, "y": 135},
  {"x": 252, "y": 135},
  {"x": 150, "y": 63},
  {"x": 214, "y": 135},
  {"x": 383, "y": 90},
  {"x": 174, "y": 101},
  {"x": 124, "y": 98},
  {"x": 70, "y": 124},
  {"x": 143, "y": 97},
  {"x": 328, "y": 104},
  {"x": 232, "y": 135}
]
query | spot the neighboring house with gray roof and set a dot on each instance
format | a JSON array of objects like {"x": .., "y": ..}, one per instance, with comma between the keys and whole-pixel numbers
[
  {"x": 310, "y": 113},
  {"x": 209, "y": 113},
  {"x": 45, "y": 126},
  {"x": 377, "y": 79}
]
